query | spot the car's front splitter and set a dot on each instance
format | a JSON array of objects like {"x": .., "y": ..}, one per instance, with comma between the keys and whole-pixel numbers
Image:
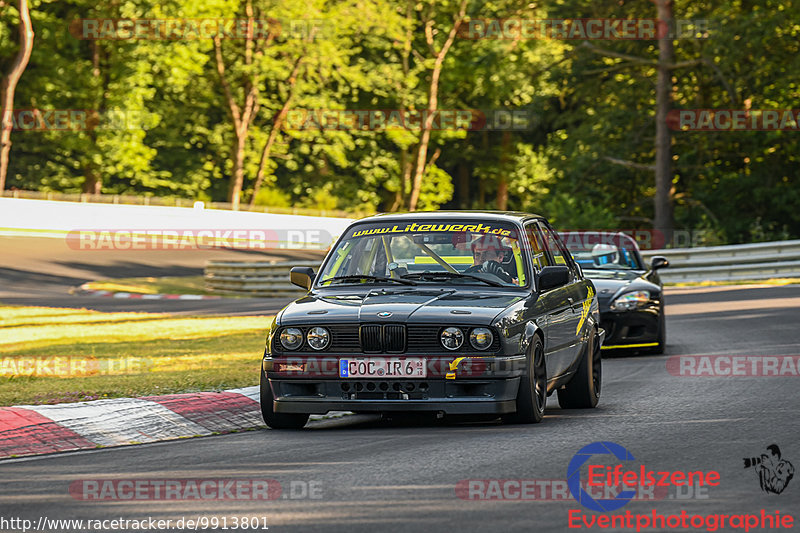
[{"x": 494, "y": 396}]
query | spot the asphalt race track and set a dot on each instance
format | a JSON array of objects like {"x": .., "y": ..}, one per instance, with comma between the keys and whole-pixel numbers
[
  {"x": 41, "y": 271},
  {"x": 401, "y": 475}
]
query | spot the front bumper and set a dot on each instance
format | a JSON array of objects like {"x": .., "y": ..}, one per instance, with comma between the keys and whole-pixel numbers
[
  {"x": 638, "y": 328},
  {"x": 481, "y": 385}
]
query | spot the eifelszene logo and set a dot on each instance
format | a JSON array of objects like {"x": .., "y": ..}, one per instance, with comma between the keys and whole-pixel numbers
[
  {"x": 613, "y": 478},
  {"x": 773, "y": 472},
  {"x": 574, "y": 476}
]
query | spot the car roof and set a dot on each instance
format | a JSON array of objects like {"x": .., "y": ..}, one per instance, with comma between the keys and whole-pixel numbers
[{"x": 453, "y": 215}]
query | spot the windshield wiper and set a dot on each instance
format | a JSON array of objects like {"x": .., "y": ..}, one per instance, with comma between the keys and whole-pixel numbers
[
  {"x": 452, "y": 275},
  {"x": 355, "y": 277}
]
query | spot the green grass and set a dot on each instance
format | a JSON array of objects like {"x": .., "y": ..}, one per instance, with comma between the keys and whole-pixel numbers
[
  {"x": 167, "y": 285},
  {"x": 52, "y": 355}
]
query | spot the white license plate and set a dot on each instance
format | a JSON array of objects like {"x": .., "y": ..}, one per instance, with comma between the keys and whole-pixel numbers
[{"x": 383, "y": 367}]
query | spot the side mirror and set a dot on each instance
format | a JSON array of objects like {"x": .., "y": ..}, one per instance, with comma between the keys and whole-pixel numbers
[
  {"x": 551, "y": 277},
  {"x": 658, "y": 261},
  {"x": 302, "y": 277}
]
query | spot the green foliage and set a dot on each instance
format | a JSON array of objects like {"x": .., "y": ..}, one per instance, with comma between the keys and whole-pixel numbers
[
  {"x": 583, "y": 162},
  {"x": 273, "y": 198}
]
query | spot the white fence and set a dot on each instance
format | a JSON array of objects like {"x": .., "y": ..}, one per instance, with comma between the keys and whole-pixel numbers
[{"x": 245, "y": 230}]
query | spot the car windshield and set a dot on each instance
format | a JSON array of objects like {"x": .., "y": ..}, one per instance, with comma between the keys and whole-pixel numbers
[
  {"x": 603, "y": 251},
  {"x": 464, "y": 252}
]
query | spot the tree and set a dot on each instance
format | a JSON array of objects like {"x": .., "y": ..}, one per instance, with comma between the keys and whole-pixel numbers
[
  {"x": 439, "y": 54},
  {"x": 9, "y": 86}
]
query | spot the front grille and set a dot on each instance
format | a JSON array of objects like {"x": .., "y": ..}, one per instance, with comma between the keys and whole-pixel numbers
[
  {"x": 394, "y": 338},
  {"x": 385, "y": 338},
  {"x": 371, "y": 338},
  {"x": 378, "y": 338}
]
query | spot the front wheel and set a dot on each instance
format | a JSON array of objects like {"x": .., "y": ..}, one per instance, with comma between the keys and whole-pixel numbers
[
  {"x": 532, "y": 394},
  {"x": 583, "y": 390},
  {"x": 278, "y": 420}
]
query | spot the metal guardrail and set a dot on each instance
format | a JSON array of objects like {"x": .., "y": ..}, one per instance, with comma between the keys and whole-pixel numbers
[
  {"x": 763, "y": 260},
  {"x": 263, "y": 279},
  {"x": 714, "y": 263}
]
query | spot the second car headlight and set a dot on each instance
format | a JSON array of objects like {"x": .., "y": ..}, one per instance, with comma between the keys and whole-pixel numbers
[
  {"x": 630, "y": 300},
  {"x": 291, "y": 338},
  {"x": 318, "y": 338},
  {"x": 481, "y": 338},
  {"x": 452, "y": 338}
]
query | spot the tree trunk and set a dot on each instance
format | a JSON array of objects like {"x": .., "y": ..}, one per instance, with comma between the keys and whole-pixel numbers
[
  {"x": 92, "y": 178},
  {"x": 92, "y": 181},
  {"x": 237, "y": 177},
  {"x": 663, "y": 200},
  {"x": 433, "y": 105},
  {"x": 9, "y": 87},
  {"x": 276, "y": 127},
  {"x": 463, "y": 186},
  {"x": 502, "y": 185}
]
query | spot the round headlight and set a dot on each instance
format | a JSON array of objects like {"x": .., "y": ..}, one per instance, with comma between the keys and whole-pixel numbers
[
  {"x": 318, "y": 338},
  {"x": 291, "y": 338},
  {"x": 631, "y": 300},
  {"x": 481, "y": 338},
  {"x": 452, "y": 338}
]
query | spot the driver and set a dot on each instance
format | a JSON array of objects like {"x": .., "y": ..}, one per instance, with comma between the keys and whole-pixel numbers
[{"x": 487, "y": 255}]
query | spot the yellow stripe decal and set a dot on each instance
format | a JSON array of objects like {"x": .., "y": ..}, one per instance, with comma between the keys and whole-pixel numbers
[
  {"x": 644, "y": 345},
  {"x": 586, "y": 306}
]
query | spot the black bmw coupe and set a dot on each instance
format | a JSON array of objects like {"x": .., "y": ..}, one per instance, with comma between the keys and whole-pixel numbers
[{"x": 444, "y": 312}]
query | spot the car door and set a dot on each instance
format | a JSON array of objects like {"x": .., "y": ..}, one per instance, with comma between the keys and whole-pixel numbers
[
  {"x": 571, "y": 298},
  {"x": 557, "y": 308}
]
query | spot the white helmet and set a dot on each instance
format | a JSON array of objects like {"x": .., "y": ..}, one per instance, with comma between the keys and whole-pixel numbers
[{"x": 603, "y": 254}]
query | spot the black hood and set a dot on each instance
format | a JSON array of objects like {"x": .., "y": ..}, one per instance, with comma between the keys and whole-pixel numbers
[
  {"x": 410, "y": 305},
  {"x": 612, "y": 283}
]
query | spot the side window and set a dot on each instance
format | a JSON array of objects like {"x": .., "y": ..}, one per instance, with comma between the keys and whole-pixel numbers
[
  {"x": 538, "y": 249},
  {"x": 559, "y": 252}
]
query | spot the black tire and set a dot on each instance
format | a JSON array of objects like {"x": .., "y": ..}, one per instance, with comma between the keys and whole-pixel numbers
[
  {"x": 583, "y": 390},
  {"x": 278, "y": 420},
  {"x": 532, "y": 394}
]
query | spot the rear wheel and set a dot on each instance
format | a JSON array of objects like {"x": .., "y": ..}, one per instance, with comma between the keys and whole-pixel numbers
[
  {"x": 278, "y": 420},
  {"x": 532, "y": 394},
  {"x": 583, "y": 390}
]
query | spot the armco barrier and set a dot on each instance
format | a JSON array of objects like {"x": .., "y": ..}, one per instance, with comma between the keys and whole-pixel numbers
[
  {"x": 715, "y": 263},
  {"x": 264, "y": 279},
  {"x": 764, "y": 260}
]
